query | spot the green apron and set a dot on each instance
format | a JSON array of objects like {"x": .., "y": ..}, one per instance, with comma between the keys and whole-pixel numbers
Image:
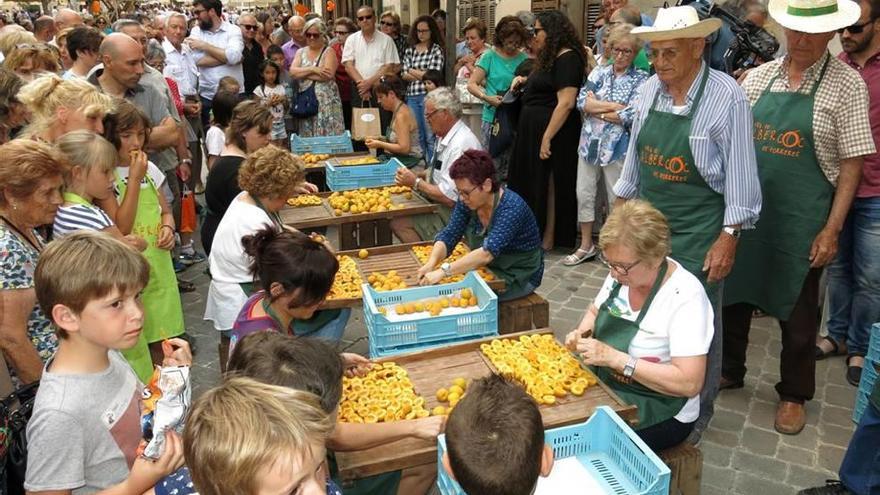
[
  {"x": 139, "y": 355},
  {"x": 515, "y": 268},
  {"x": 773, "y": 259},
  {"x": 163, "y": 314},
  {"x": 611, "y": 329},
  {"x": 301, "y": 327},
  {"x": 669, "y": 180}
]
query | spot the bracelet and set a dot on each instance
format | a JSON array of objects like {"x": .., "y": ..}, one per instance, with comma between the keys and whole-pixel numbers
[
  {"x": 166, "y": 226},
  {"x": 186, "y": 161},
  {"x": 416, "y": 185}
]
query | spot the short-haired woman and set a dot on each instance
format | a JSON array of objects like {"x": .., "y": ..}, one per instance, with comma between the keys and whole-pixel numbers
[
  {"x": 402, "y": 140},
  {"x": 648, "y": 331},
  {"x": 58, "y": 107},
  {"x": 389, "y": 23},
  {"x": 315, "y": 65},
  {"x": 424, "y": 53},
  {"x": 248, "y": 131},
  {"x": 267, "y": 178},
  {"x": 475, "y": 43},
  {"x": 29, "y": 61},
  {"x": 495, "y": 223},
  {"x": 606, "y": 102},
  {"x": 31, "y": 174}
]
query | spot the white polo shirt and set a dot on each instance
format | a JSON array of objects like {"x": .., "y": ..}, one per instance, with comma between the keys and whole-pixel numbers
[
  {"x": 228, "y": 37},
  {"x": 181, "y": 66},
  {"x": 458, "y": 140},
  {"x": 370, "y": 56}
]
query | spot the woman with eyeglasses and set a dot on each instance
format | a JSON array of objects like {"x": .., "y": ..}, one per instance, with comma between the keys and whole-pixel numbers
[
  {"x": 389, "y": 23},
  {"x": 342, "y": 28},
  {"x": 425, "y": 53},
  {"x": 496, "y": 224},
  {"x": 606, "y": 103},
  {"x": 647, "y": 332},
  {"x": 543, "y": 167},
  {"x": 315, "y": 65}
]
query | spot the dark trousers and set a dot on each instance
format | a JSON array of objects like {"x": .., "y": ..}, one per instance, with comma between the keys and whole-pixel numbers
[
  {"x": 797, "y": 364},
  {"x": 195, "y": 149},
  {"x": 206, "y": 112},
  {"x": 666, "y": 434}
]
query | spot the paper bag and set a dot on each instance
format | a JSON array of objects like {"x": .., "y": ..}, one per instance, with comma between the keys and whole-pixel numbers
[{"x": 365, "y": 123}]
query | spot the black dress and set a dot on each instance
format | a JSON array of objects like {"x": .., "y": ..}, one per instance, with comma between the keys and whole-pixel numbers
[
  {"x": 529, "y": 176},
  {"x": 220, "y": 189}
]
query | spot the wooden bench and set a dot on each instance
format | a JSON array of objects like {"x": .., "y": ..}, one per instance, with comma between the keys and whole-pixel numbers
[
  {"x": 685, "y": 462},
  {"x": 525, "y": 313}
]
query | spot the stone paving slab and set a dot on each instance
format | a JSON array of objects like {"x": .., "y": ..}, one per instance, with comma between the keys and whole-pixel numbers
[{"x": 743, "y": 454}]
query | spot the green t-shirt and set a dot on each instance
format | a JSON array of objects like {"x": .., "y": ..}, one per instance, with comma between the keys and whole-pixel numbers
[{"x": 499, "y": 74}]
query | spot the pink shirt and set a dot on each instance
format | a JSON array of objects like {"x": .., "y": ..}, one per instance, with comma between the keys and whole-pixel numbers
[{"x": 870, "y": 185}]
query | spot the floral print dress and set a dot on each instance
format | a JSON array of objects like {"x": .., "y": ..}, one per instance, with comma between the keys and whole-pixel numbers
[
  {"x": 18, "y": 261},
  {"x": 328, "y": 121}
]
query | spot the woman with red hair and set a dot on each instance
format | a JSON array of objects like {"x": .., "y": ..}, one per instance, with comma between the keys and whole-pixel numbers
[{"x": 497, "y": 225}]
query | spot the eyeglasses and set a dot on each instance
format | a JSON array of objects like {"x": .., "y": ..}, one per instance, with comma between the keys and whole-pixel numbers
[
  {"x": 341, "y": 32},
  {"x": 620, "y": 268},
  {"x": 428, "y": 115},
  {"x": 467, "y": 194},
  {"x": 622, "y": 51},
  {"x": 249, "y": 27},
  {"x": 666, "y": 53},
  {"x": 365, "y": 17},
  {"x": 855, "y": 28},
  {"x": 386, "y": 23},
  {"x": 423, "y": 31},
  {"x": 313, "y": 36}
]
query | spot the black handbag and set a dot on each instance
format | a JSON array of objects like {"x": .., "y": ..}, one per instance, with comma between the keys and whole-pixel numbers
[
  {"x": 15, "y": 412},
  {"x": 305, "y": 104},
  {"x": 504, "y": 125}
]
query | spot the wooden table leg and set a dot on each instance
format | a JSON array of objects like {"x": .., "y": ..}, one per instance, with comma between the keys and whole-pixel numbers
[{"x": 348, "y": 236}]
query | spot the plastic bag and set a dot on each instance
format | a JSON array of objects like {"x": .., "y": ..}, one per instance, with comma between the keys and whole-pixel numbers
[{"x": 171, "y": 408}]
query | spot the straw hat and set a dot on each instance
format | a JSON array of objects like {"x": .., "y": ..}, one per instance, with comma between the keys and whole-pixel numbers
[
  {"x": 815, "y": 16},
  {"x": 678, "y": 22}
]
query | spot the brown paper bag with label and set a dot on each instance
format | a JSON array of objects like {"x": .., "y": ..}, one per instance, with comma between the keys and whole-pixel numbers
[{"x": 365, "y": 123}]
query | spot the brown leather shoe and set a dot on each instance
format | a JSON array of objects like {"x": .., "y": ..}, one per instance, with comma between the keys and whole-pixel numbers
[{"x": 790, "y": 417}]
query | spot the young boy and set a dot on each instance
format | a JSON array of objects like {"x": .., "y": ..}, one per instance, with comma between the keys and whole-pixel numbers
[
  {"x": 85, "y": 429},
  {"x": 247, "y": 437},
  {"x": 495, "y": 440}
]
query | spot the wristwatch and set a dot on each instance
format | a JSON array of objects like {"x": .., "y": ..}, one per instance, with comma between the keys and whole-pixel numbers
[
  {"x": 447, "y": 269},
  {"x": 731, "y": 232},
  {"x": 186, "y": 161},
  {"x": 416, "y": 184},
  {"x": 630, "y": 368}
]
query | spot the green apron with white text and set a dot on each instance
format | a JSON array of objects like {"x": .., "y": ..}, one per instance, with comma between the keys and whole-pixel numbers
[
  {"x": 617, "y": 332},
  {"x": 670, "y": 181},
  {"x": 163, "y": 314},
  {"x": 515, "y": 268},
  {"x": 773, "y": 259},
  {"x": 139, "y": 355}
]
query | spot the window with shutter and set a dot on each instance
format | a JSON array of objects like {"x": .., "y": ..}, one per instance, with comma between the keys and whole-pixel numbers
[
  {"x": 481, "y": 9},
  {"x": 591, "y": 14}
]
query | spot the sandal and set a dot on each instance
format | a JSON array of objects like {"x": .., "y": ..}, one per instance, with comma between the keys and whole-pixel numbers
[
  {"x": 579, "y": 256},
  {"x": 836, "y": 349},
  {"x": 854, "y": 373}
]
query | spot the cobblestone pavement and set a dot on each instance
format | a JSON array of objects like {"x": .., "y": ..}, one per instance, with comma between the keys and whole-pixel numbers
[{"x": 743, "y": 453}]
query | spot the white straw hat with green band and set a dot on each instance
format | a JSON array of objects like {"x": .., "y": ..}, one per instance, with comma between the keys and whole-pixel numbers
[
  {"x": 674, "y": 23},
  {"x": 815, "y": 16}
]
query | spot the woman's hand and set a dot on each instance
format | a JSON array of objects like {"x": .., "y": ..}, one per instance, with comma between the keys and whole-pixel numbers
[
  {"x": 431, "y": 278},
  {"x": 573, "y": 337},
  {"x": 176, "y": 352},
  {"x": 517, "y": 81},
  {"x": 374, "y": 143},
  {"x": 429, "y": 428},
  {"x": 424, "y": 270},
  {"x": 545, "y": 148},
  {"x": 495, "y": 101},
  {"x": 165, "y": 240},
  {"x": 355, "y": 364},
  {"x": 597, "y": 353},
  {"x": 306, "y": 188}
]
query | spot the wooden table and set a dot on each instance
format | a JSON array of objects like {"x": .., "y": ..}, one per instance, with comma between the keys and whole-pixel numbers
[
  {"x": 361, "y": 230},
  {"x": 398, "y": 257},
  {"x": 435, "y": 368}
]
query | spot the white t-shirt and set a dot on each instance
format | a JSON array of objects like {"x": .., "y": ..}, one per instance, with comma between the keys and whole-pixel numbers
[
  {"x": 154, "y": 173},
  {"x": 681, "y": 305},
  {"x": 230, "y": 266},
  {"x": 264, "y": 93},
  {"x": 448, "y": 148},
  {"x": 370, "y": 56},
  {"x": 215, "y": 140}
]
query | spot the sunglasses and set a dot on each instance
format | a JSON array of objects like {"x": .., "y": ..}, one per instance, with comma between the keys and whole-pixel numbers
[
  {"x": 386, "y": 23},
  {"x": 855, "y": 28},
  {"x": 313, "y": 36},
  {"x": 364, "y": 17},
  {"x": 249, "y": 27},
  {"x": 341, "y": 32}
]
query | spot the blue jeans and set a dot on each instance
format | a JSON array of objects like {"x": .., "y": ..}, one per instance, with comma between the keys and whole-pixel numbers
[
  {"x": 334, "y": 329},
  {"x": 860, "y": 469},
  {"x": 426, "y": 137},
  {"x": 854, "y": 277}
]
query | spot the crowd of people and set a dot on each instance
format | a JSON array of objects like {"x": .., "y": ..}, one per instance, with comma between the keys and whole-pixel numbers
[{"x": 715, "y": 196}]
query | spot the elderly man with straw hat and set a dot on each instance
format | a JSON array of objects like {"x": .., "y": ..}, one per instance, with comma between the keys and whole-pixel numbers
[
  {"x": 691, "y": 155},
  {"x": 811, "y": 132}
]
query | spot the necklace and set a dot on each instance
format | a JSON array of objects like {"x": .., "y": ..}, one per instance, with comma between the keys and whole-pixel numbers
[{"x": 21, "y": 234}]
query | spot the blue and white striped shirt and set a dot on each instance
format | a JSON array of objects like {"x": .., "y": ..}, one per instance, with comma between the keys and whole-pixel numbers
[
  {"x": 721, "y": 142},
  {"x": 75, "y": 217}
]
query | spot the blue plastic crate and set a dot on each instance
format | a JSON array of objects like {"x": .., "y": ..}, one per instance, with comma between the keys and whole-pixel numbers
[
  {"x": 376, "y": 352},
  {"x": 866, "y": 386},
  {"x": 874, "y": 343},
  {"x": 357, "y": 176},
  {"x": 331, "y": 145},
  {"x": 609, "y": 449},
  {"x": 389, "y": 337}
]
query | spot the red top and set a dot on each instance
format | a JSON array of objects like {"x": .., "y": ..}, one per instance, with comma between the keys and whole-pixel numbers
[
  {"x": 342, "y": 78},
  {"x": 175, "y": 95},
  {"x": 870, "y": 185}
]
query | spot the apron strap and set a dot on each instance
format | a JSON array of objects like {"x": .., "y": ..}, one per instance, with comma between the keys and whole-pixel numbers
[
  {"x": 697, "y": 97},
  {"x": 654, "y": 289},
  {"x": 76, "y": 199},
  {"x": 815, "y": 84}
]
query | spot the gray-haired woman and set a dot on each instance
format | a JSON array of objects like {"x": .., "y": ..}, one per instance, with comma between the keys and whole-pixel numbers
[{"x": 315, "y": 65}]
